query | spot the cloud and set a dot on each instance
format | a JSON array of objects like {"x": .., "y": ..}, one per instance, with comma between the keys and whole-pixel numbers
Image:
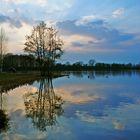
[
  {"x": 77, "y": 44},
  {"x": 22, "y": 128},
  {"x": 118, "y": 125},
  {"x": 13, "y": 22},
  {"x": 4, "y": 18},
  {"x": 78, "y": 39},
  {"x": 96, "y": 36},
  {"x": 108, "y": 44},
  {"x": 15, "y": 97},
  {"x": 98, "y": 29},
  {"x": 117, "y": 13},
  {"x": 78, "y": 94},
  {"x": 85, "y": 19},
  {"x": 40, "y": 2},
  {"x": 18, "y": 11},
  {"x": 76, "y": 99},
  {"x": 84, "y": 116}
]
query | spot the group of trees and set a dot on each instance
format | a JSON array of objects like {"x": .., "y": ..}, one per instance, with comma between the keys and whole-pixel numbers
[
  {"x": 19, "y": 62},
  {"x": 31, "y": 63}
]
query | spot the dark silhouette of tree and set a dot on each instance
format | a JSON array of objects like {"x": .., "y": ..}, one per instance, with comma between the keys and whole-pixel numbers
[
  {"x": 78, "y": 64},
  {"x": 4, "y": 120},
  {"x": 67, "y": 63},
  {"x": 19, "y": 62},
  {"x": 91, "y": 62},
  {"x": 3, "y": 41},
  {"x": 91, "y": 75},
  {"x": 45, "y": 45},
  {"x": 43, "y": 106}
]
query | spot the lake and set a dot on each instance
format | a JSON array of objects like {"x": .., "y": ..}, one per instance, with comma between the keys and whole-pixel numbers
[{"x": 78, "y": 106}]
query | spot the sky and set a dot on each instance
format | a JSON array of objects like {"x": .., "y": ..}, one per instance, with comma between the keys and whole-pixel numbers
[{"x": 105, "y": 30}]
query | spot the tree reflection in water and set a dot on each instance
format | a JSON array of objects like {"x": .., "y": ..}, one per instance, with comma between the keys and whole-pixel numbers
[
  {"x": 43, "y": 106},
  {"x": 4, "y": 120}
]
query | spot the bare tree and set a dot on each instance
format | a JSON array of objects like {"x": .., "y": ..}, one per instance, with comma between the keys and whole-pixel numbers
[
  {"x": 45, "y": 44},
  {"x": 3, "y": 41},
  {"x": 91, "y": 62}
]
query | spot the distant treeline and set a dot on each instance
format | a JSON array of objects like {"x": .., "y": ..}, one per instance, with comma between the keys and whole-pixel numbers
[
  {"x": 30, "y": 63},
  {"x": 97, "y": 66}
]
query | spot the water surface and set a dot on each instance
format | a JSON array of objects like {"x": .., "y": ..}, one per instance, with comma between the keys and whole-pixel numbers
[{"x": 87, "y": 105}]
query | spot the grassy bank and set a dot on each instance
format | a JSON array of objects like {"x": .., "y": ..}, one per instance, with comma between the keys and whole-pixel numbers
[
  {"x": 12, "y": 80},
  {"x": 17, "y": 76},
  {"x": 6, "y": 78}
]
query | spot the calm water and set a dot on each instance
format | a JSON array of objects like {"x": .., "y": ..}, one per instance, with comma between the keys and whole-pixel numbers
[{"x": 81, "y": 106}]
